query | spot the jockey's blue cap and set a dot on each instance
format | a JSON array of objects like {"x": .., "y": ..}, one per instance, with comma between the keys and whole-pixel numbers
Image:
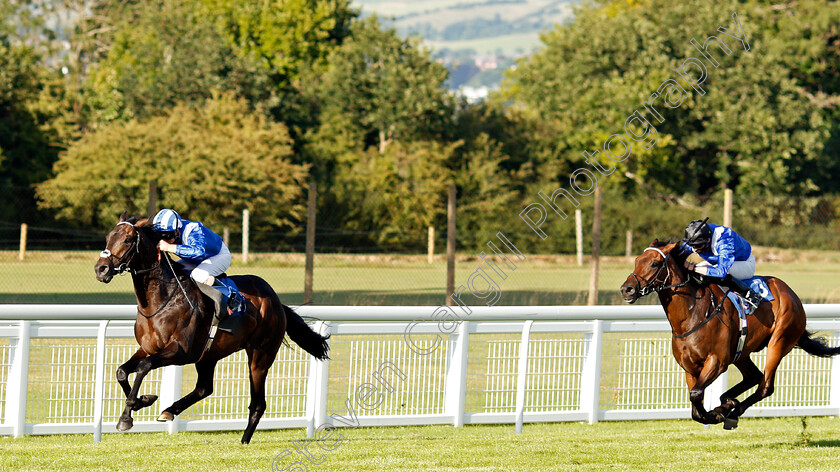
[{"x": 167, "y": 220}]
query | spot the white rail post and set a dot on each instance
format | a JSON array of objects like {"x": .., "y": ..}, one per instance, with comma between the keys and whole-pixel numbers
[
  {"x": 16, "y": 386},
  {"x": 323, "y": 380},
  {"x": 170, "y": 392},
  {"x": 317, "y": 387},
  {"x": 834, "y": 389},
  {"x": 590, "y": 384},
  {"x": 711, "y": 399},
  {"x": 456, "y": 376},
  {"x": 522, "y": 375},
  {"x": 99, "y": 386}
]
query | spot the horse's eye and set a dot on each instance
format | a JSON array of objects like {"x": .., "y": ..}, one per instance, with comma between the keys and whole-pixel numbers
[{"x": 656, "y": 263}]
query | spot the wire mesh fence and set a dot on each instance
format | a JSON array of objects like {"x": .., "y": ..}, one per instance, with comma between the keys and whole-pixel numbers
[{"x": 362, "y": 260}]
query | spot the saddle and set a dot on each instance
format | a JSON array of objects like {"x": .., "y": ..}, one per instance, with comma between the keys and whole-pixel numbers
[
  {"x": 221, "y": 320},
  {"x": 220, "y": 315}
]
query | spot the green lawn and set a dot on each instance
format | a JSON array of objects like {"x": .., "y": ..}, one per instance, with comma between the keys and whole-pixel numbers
[
  {"x": 386, "y": 280},
  {"x": 779, "y": 444}
]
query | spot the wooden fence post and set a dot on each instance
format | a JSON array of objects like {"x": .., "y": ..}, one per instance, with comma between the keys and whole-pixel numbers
[
  {"x": 727, "y": 208},
  {"x": 628, "y": 250},
  {"x": 246, "y": 217},
  {"x": 596, "y": 249},
  {"x": 450, "y": 245},
  {"x": 23, "y": 235},
  {"x": 431, "y": 256},
  {"x": 579, "y": 236},
  {"x": 310, "y": 243}
]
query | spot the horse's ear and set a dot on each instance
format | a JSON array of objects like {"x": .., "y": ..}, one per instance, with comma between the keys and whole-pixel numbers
[
  {"x": 654, "y": 242},
  {"x": 124, "y": 216},
  {"x": 142, "y": 222}
]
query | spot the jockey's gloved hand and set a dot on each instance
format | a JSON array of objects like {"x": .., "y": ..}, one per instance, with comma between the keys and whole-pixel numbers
[{"x": 688, "y": 265}]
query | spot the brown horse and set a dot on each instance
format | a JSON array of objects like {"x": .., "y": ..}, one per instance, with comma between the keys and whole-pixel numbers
[
  {"x": 174, "y": 319},
  {"x": 704, "y": 340}
]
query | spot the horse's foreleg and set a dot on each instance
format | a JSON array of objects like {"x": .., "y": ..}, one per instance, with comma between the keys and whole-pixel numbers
[
  {"x": 203, "y": 388},
  {"x": 170, "y": 354},
  {"x": 259, "y": 361},
  {"x": 697, "y": 388},
  {"x": 129, "y": 368},
  {"x": 751, "y": 377}
]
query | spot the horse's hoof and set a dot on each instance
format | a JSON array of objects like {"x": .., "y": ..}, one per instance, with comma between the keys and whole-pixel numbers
[
  {"x": 144, "y": 401},
  {"x": 730, "y": 423},
  {"x": 124, "y": 425},
  {"x": 166, "y": 416}
]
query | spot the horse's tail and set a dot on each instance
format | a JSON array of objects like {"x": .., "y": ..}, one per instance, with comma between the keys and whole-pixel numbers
[
  {"x": 816, "y": 346},
  {"x": 304, "y": 336}
]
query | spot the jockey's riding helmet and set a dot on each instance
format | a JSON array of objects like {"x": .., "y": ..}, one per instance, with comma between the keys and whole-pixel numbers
[
  {"x": 167, "y": 223},
  {"x": 698, "y": 233}
]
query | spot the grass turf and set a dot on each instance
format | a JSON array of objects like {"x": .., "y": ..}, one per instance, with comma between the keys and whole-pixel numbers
[
  {"x": 390, "y": 280},
  {"x": 777, "y": 444}
]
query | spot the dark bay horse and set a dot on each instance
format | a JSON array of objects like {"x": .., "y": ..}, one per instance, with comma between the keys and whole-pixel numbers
[
  {"x": 174, "y": 319},
  {"x": 704, "y": 341}
]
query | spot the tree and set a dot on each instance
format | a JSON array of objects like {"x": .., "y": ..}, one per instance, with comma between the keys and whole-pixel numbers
[
  {"x": 395, "y": 194},
  {"x": 162, "y": 54},
  {"x": 386, "y": 87},
  {"x": 755, "y": 129},
  {"x": 209, "y": 163},
  {"x": 33, "y": 110}
]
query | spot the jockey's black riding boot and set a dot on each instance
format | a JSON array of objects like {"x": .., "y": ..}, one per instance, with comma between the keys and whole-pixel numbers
[{"x": 742, "y": 289}]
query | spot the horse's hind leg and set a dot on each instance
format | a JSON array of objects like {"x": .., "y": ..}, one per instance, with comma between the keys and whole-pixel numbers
[
  {"x": 203, "y": 388},
  {"x": 776, "y": 350},
  {"x": 750, "y": 376},
  {"x": 259, "y": 361},
  {"x": 129, "y": 368}
]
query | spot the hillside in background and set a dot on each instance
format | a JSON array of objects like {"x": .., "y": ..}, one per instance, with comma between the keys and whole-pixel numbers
[{"x": 476, "y": 39}]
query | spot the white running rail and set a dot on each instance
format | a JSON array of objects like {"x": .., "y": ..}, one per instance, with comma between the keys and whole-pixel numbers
[{"x": 518, "y": 364}]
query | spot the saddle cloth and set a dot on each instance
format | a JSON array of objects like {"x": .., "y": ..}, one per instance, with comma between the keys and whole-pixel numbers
[{"x": 757, "y": 285}]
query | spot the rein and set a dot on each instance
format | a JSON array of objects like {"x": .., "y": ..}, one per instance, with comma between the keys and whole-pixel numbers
[
  {"x": 709, "y": 316},
  {"x": 126, "y": 259},
  {"x": 651, "y": 288}
]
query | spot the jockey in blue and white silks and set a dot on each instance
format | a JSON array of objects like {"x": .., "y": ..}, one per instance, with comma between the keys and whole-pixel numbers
[
  {"x": 202, "y": 251},
  {"x": 726, "y": 257}
]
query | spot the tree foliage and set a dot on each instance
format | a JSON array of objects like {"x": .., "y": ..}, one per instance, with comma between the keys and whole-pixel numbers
[
  {"x": 210, "y": 164},
  {"x": 755, "y": 129},
  {"x": 386, "y": 87}
]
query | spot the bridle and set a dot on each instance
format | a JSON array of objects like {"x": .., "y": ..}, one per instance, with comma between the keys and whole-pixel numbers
[
  {"x": 123, "y": 262},
  {"x": 651, "y": 286},
  {"x": 127, "y": 257}
]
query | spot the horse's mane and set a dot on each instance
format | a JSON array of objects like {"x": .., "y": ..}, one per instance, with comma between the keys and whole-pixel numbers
[
  {"x": 675, "y": 253},
  {"x": 659, "y": 244}
]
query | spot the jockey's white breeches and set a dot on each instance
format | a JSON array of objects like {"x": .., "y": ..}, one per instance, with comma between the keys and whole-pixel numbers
[
  {"x": 741, "y": 270},
  {"x": 205, "y": 272}
]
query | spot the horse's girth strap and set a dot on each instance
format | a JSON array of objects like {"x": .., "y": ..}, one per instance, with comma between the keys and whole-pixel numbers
[
  {"x": 209, "y": 342},
  {"x": 742, "y": 335}
]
